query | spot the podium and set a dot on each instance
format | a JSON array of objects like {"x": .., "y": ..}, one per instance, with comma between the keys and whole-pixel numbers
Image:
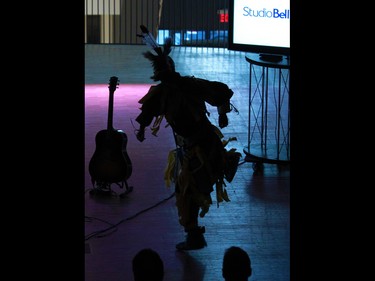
[{"x": 269, "y": 116}]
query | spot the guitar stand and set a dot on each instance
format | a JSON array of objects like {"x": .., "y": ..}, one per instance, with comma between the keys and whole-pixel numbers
[
  {"x": 128, "y": 189},
  {"x": 103, "y": 189}
]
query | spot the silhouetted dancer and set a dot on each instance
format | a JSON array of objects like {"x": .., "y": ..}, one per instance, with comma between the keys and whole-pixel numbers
[{"x": 200, "y": 160}]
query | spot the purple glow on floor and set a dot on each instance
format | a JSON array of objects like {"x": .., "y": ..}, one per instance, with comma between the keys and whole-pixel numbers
[
  {"x": 124, "y": 93},
  {"x": 125, "y": 104}
]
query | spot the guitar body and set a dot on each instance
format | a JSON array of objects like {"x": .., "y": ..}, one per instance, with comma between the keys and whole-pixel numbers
[{"x": 110, "y": 162}]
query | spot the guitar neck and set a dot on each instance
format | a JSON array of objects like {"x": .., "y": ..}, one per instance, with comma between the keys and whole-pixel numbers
[
  {"x": 112, "y": 88},
  {"x": 110, "y": 112}
]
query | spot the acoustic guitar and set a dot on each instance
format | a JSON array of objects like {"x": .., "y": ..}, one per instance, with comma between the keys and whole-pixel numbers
[{"x": 110, "y": 162}]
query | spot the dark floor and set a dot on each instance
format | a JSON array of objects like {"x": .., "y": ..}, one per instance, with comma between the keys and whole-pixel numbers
[{"x": 257, "y": 218}]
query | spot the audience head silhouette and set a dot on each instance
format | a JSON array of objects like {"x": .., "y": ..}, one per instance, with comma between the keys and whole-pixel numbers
[
  {"x": 236, "y": 264},
  {"x": 148, "y": 266}
]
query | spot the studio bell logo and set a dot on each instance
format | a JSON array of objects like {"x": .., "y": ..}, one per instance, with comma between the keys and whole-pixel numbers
[{"x": 265, "y": 13}]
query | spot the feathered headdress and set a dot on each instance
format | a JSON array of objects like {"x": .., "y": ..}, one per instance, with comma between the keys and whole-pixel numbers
[{"x": 161, "y": 62}]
